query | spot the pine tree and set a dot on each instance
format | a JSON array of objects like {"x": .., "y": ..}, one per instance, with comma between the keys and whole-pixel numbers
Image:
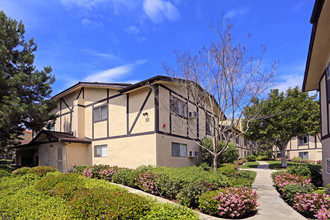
[{"x": 24, "y": 90}]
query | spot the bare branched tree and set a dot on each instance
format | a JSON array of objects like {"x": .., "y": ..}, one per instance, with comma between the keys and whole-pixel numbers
[{"x": 221, "y": 80}]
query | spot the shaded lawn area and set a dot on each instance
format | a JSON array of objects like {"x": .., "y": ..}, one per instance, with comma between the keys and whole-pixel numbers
[
  {"x": 276, "y": 164},
  {"x": 249, "y": 165}
]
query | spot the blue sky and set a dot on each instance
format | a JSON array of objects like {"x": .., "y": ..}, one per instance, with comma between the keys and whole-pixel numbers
[{"x": 127, "y": 40}]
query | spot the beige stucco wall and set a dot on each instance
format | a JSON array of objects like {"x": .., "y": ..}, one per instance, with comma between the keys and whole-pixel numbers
[
  {"x": 78, "y": 154},
  {"x": 144, "y": 123},
  {"x": 164, "y": 151},
  {"x": 128, "y": 152},
  {"x": 117, "y": 116},
  {"x": 325, "y": 156},
  {"x": 323, "y": 106}
]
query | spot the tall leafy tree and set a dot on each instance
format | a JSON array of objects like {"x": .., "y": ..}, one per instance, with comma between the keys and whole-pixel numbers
[
  {"x": 284, "y": 116},
  {"x": 24, "y": 90}
]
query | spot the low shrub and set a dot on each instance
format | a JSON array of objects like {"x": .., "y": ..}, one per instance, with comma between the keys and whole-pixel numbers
[
  {"x": 42, "y": 170},
  {"x": 167, "y": 211},
  {"x": 4, "y": 173},
  {"x": 304, "y": 161},
  {"x": 243, "y": 178},
  {"x": 316, "y": 174},
  {"x": 50, "y": 181},
  {"x": 66, "y": 190},
  {"x": 250, "y": 158},
  {"x": 102, "y": 203},
  {"x": 80, "y": 169},
  {"x": 126, "y": 177},
  {"x": 22, "y": 171},
  {"x": 262, "y": 157},
  {"x": 148, "y": 182},
  {"x": 227, "y": 169},
  {"x": 28, "y": 203},
  {"x": 319, "y": 162},
  {"x": 108, "y": 173},
  {"x": 297, "y": 159},
  {"x": 289, "y": 191},
  {"x": 284, "y": 179},
  {"x": 289, "y": 160},
  {"x": 190, "y": 194},
  {"x": 205, "y": 166},
  {"x": 313, "y": 205},
  {"x": 229, "y": 202},
  {"x": 277, "y": 173},
  {"x": 299, "y": 169}
]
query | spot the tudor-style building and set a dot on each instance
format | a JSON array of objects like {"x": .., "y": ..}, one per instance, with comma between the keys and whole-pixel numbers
[
  {"x": 317, "y": 74},
  {"x": 121, "y": 124}
]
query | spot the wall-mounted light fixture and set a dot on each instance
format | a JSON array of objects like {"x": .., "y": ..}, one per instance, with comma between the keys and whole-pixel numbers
[{"x": 145, "y": 114}]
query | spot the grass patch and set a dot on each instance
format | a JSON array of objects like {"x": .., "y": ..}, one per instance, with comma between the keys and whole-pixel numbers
[{"x": 249, "y": 165}]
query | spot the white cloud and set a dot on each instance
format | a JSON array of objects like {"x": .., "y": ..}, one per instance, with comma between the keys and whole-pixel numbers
[
  {"x": 290, "y": 76},
  {"x": 297, "y": 7},
  {"x": 107, "y": 56},
  {"x": 133, "y": 30},
  {"x": 87, "y": 22},
  {"x": 86, "y": 4},
  {"x": 157, "y": 10},
  {"x": 113, "y": 74},
  {"x": 236, "y": 12}
]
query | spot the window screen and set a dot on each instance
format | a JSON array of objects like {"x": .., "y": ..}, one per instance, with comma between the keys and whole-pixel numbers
[
  {"x": 100, "y": 150},
  {"x": 100, "y": 113},
  {"x": 179, "y": 150}
]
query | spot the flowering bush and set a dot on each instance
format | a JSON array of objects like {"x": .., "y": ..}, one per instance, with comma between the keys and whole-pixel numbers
[
  {"x": 108, "y": 173},
  {"x": 313, "y": 204},
  {"x": 284, "y": 179},
  {"x": 88, "y": 172},
  {"x": 148, "y": 182},
  {"x": 319, "y": 162},
  {"x": 229, "y": 202},
  {"x": 290, "y": 160}
]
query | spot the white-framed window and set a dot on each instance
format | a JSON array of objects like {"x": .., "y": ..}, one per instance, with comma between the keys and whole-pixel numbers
[
  {"x": 303, "y": 155},
  {"x": 179, "y": 107},
  {"x": 303, "y": 140},
  {"x": 101, "y": 150},
  {"x": 100, "y": 113},
  {"x": 179, "y": 150}
]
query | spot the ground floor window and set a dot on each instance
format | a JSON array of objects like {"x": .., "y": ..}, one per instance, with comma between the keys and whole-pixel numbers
[
  {"x": 101, "y": 150},
  {"x": 179, "y": 150},
  {"x": 303, "y": 155}
]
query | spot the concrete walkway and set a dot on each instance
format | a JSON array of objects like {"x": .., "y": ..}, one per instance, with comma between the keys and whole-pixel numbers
[{"x": 271, "y": 204}]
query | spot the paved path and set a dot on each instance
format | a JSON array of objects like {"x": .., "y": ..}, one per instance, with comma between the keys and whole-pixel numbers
[{"x": 271, "y": 204}]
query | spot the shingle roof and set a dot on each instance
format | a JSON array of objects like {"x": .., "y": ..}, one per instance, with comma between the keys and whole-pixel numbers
[{"x": 56, "y": 136}]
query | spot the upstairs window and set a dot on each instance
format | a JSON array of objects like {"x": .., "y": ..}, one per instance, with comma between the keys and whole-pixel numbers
[
  {"x": 100, "y": 113},
  {"x": 210, "y": 125},
  {"x": 302, "y": 140},
  {"x": 237, "y": 140},
  {"x": 179, "y": 150},
  {"x": 179, "y": 107}
]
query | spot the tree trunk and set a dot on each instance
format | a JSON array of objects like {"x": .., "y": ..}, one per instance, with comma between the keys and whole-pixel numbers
[
  {"x": 215, "y": 163},
  {"x": 283, "y": 157}
]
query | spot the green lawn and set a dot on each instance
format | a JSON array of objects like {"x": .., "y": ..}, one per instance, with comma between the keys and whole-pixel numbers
[
  {"x": 249, "y": 165},
  {"x": 276, "y": 164}
]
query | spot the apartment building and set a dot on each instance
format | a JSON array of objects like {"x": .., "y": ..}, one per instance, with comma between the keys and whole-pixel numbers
[
  {"x": 308, "y": 147},
  {"x": 128, "y": 125},
  {"x": 317, "y": 74}
]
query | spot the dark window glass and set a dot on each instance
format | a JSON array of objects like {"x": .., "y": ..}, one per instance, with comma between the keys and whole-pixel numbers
[{"x": 100, "y": 113}]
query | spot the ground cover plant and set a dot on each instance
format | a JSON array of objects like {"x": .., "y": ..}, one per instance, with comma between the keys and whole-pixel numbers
[
  {"x": 298, "y": 189},
  {"x": 54, "y": 195},
  {"x": 184, "y": 185}
]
